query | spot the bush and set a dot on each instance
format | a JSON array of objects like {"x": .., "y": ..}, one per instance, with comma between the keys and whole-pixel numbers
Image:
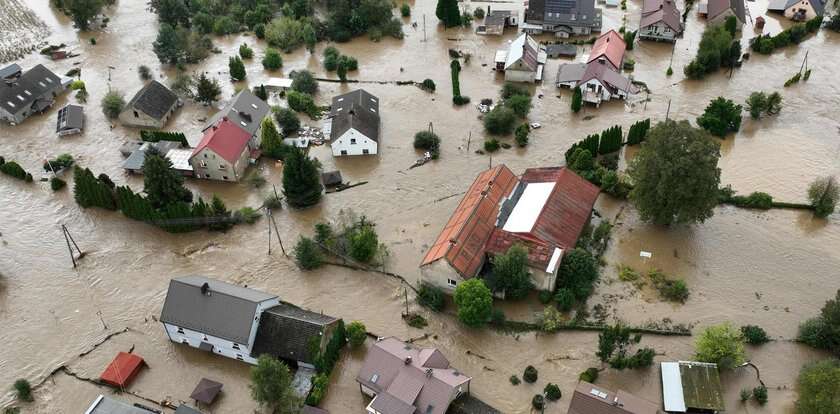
[
  {"x": 460, "y": 100},
  {"x": 760, "y": 394},
  {"x": 320, "y": 382},
  {"x": 287, "y": 119},
  {"x": 307, "y": 254},
  {"x": 721, "y": 344},
  {"x": 672, "y": 290},
  {"x": 746, "y": 394},
  {"x": 237, "y": 68},
  {"x": 415, "y": 320},
  {"x": 565, "y": 299},
  {"x": 113, "y": 103},
  {"x": 302, "y": 102},
  {"x": 500, "y": 121},
  {"x": 429, "y": 141},
  {"x": 590, "y": 375},
  {"x": 823, "y": 194},
  {"x": 431, "y": 296},
  {"x": 545, "y": 296},
  {"x": 23, "y": 390},
  {"x": 14, "y": 169},
  {"x": 819, "y": 385},
  {"x": 538, "y": 402},
  {"x": 530, "y": 375},
  {"x": 721, "y": 117},
  {"x": 57, "y": 183},
  {"x": 715, "y": 50},
  {"x": 478, "y": 13},
  {"x": 491, "y": 145},
  {"x": 405, "y": 10},
  {"x": 428, "y": 85},
  {"x": 247, "y": 215},
  {"x": 521, "y": 134},
  {"x": 272, "y": 59},
  {"x": 577, "y": 99},
  {"x": 514, "y": 380},
  {"x": 579, "y": 271},
  {"x": 245, "y": 52},
  {"x": 757, "y": 200},
  {"x": 356, "y": 334},
  {"x": 259, "y": 30},
  {"x": 474, "y": 301},
  {"x": 303, "y": 81},
  {"x": 552, "y": 392}
]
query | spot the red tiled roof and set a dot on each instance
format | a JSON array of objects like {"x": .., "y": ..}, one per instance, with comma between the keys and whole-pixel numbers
[
  {"x": 561, "y": 220},
  {"x": 611, "y": 46},
  {"x": 225, "y": 139},
  {"x": 462, "y": 240},
  {"x": 122, "y": 370}
]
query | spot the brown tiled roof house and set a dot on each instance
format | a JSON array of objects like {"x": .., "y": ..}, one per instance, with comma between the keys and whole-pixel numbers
[{"x": 404, "y": 379}]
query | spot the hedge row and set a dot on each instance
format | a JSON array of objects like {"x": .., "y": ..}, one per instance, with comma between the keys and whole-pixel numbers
[
  {"x": 156, "y": 136},
  {"x": 14, "y": 169}
]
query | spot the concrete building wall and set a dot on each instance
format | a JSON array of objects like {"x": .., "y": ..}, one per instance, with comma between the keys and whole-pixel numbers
[
  {"x": 513, "y": 75},
  {"x": 353, "y": 142},
  {"x": 442, "y": 275},
  {"x": 208, "y": 165},
  {"x": 134, "y": 117}
]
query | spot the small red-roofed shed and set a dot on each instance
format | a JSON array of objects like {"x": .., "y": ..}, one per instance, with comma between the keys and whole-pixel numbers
[{"x": 122, "y": 370}]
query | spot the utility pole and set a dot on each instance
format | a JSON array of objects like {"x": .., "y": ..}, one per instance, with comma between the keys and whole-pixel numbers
[
  {"x": 105, "y": 327},
  {"x": 69, "y": 239},
  {"x": 424, "y": 27},
  {"x": 668, "y": 111},
  {"x": 277, "y": 232},
  {"x": 268, "y": 222},
  {"x": 469, "y": 138},
  {"x": 405, "y": 292}
]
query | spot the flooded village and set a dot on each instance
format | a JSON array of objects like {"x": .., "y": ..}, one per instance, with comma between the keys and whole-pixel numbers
[{"x": 128, "y": 323}]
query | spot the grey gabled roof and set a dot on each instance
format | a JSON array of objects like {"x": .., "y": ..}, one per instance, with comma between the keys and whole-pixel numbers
[
  {"x": 70, "y": 117},
  {"x": 782, "y": 5},
  {"x": 26, "y": 91},
  {"x": 286, "y": 332},
  {"x": 10, "y": 70},
  {"x": 154, "y": 100},
  {"x": 107, "y": 405},
  {"x": 568, "y": 12},
  {"x": 245, "y": 110},
  {"x": 358, "y": 110},
  {"x": 227, "y": 311},
  {"x": 135, "y": 160}
]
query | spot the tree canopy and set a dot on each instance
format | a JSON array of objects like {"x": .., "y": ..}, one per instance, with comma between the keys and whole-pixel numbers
[
  {"x": 207, "y": 89},
  {"x": 721, "y": 344},
  {"x": 301, "y": 180},
  {"x": 163, "y": 185},
  {"x": 271, "y": 385},
  {"x": 474, "y": 301},
  {"x": 721, "y": 117},
  {"x": 675, "y": 174},
  {"x": 819, "y": 388},
  {"x": 448, "y": 13},
  {"x": 823, "y": 194},
  {"x": 510, "y": 273},
  {"x": 578, "y": 271},
  {"x": 823, "y": 332}
]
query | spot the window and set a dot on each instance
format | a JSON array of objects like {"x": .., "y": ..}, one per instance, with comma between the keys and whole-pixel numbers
[
  {"x": 222, "y": 167},
  {"x": 204, "y": 163},
  {"x": 224, "y": 177},
  {"x": 365, "y": 151},
  {"x": 180, "y": 330},
  {"x": 205, "y": 337},
  {"x": 239, "y": 357},
  {"x": 185, "y": 341},
  {"x": 343, "y": 152},
  {"x": 374, "y": 378},
  {"x": 12, "y": 104},
  {"x": 136, "y": 115},
  {"x": 235, "y": 346},
  {"x": 20, "y": 98},
  {"x": 451, "y": 282},
  {"x": 352, "y": 141},
  {"x": 26, "y": 91},
  {"x": 205, "y": 155}
]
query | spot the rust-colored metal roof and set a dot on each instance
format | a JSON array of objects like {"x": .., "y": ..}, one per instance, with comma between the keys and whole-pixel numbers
[
  {"x": 611, "y": 46},
  {"x": 561, "y": 220},
  {"x": 463, "y": 238},
  {"x": 593, "y": 399}
]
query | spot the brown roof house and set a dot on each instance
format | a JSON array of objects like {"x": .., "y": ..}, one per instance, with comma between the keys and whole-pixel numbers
[
  {"x": 599, "y": 78},
  {"x": 150, "y": 107},
  {"x": 403, "y": 379},
  {"x": 545, "y": 210},
  {"x": 798, "y": 10},
  {"x": 593, "y": 399},
  {"x": 717, "y": 11},
  {"x": 660, "y": 21}
]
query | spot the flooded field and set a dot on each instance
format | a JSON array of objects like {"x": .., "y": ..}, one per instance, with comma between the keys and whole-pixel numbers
[
  {"x": 773, "y": 269},
  {"x": 21, "y": 30}
]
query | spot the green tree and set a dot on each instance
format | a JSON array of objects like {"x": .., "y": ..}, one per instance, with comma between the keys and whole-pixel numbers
[
  {"x": 90, "y": 191},
  {"x": 823, "y": 332},
  {"x": 261, "y": 92},
  {"x": 474, "y": 301},
  {"x": 272, "y": 59},
  {"x": 823, "y": 194},
  {"x": 500, "y": 121},
  {"x": 169, "y": 45},
  {"x": 721, "y": 344},
  {"x": 220, "y": 214},
  {"x": 83, "y": 11},
  {"x": 245, "y": 52},
  {"x": 287, "y": 119},
  {"x": 303, "y": 81},
  {"x": 301, "y": 181},
  {"x": 237, "y": 68},
  {"x": 207, "y": 90},
  {"x": 310, "y": 38},
  {"x": 818, "y": 386},
  {"x": 405, "y": 10},
  {"x": 579, "y": 271},
  {"x": 341, "y": 70},
  {"x": 307, "y": 254},
  {"x": 448, "y": 13},
  {"x": 23, "y": 390},
  {"x": 429, "y": 141},
  {"x": 173, "y": 12},
  {"x": 364, "y": 242},
  {"x": 675, "y": 174},
  {"x": 113, "y": 103},
  {"x": 271, "y": 385},
  {"x": 286, "y": 33},
  {"x": 520, "y": 104},
  {"x": 756, "y": 104},
  {"x": 510, "y": 273},
  {"x": 577, "y": 100},
  {"x": 356, "y": 334},
  {"x": 162, "y": 184},
  {"x": 721, "y": 117},
  {"x": 521, "y": 133},
  {"x": 731, "y": 25}
]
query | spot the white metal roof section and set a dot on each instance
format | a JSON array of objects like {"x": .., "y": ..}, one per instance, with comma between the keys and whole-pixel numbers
[
  {"x": 180, "y": 159},
  {"x": 554, "y": 261},
  {"x": 528, "y": 209},
  {"x": 672, "y": 390},
  {"x": 280, "y": 83},
  {"x": 501, "y": 56}
]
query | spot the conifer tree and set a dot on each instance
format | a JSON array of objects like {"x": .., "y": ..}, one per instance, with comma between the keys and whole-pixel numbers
[
  {"x": 237, "y": 68},
  {"x": 162, "y": 184},
  {"x": 301, "y": 182},
  {"x": 220, "y": 214},
  {"x": 447, "y": 12}
]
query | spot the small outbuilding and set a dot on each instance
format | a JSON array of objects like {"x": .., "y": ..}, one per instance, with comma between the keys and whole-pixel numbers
[
  {"x": 206, "y": 391},
  {"x": 561, "y": 50},
  {"x": 122, "y": 370},
  {"x": 496, "y": 21},
  {"x": 281, "y": 84},
  {"x": 150, "y": 107},
  {"x": 71, "y": 120},
  {"x": 331, "y": 178},
  {"x": 691, "y": 387}
]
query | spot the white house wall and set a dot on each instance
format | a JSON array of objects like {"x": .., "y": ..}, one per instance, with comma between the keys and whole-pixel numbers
[
  {"x": 657, "y": 31},
  {"x": 211, "y": 169},
  {"x": 343, "y": 143},
  {"x": 439, "y": 273},
  {"x": 134, "y": 117}
]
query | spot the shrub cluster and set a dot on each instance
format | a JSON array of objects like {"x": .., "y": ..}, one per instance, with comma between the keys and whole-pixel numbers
[
  {"x": 431, "y": 297},
  {"x": 766, "y": 44},
  {"x": 457, "y": 98},
  {"x": 157, "y": 136},
  {"x": 429, "y": 141},
  {"x": 303, "y": 102},
  {"x": 721, "y": 117},
  {"x": 14, "y": 169},
  {"x": 530, "y": 375},
  {"x": 590, "y": 375},
  {"x": 754, "y": 335},
  {"x": 717, "y": 48},
  {"x": 670, "y": 289},
  {"x": 637, "y": 132},
  {"x": 325, "y": 361},
  {"x": 760, "y": 103}
]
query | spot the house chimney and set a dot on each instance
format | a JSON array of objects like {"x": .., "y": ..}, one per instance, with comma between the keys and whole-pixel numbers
[
  {"x": 408, "y": 360},
  {"x": 205, "y": 289}
]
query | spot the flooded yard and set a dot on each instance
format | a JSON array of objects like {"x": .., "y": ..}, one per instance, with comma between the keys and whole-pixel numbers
[{"x": 773, "y": 269}]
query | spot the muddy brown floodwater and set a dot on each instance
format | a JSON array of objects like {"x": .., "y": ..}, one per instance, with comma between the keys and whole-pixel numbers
[{"x": 773, "y": 268}]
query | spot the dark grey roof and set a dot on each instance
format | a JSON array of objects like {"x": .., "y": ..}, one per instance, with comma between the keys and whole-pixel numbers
[
  {"x": 227, "y": 311},
  {"x": 134, "y": 162},
  {"x": 107, "y": 405},
  {"x": 740, "y": 9},
  {"x": 286, "y": 331},
  {"x": 183, "y": 409},
  {"x": 358, "y": 110},
  {"x": 70, "y": 117},
  {"x": 568, "y": 12},
  {"x": 27, "y": 91},
  {"x": 154, "y": 100},
  {"x": 561, "y": 50},
  {"x": 245, "y": 110},
  {"x": 12, "y": 70},
  {"x": 331, "y": 178}
]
